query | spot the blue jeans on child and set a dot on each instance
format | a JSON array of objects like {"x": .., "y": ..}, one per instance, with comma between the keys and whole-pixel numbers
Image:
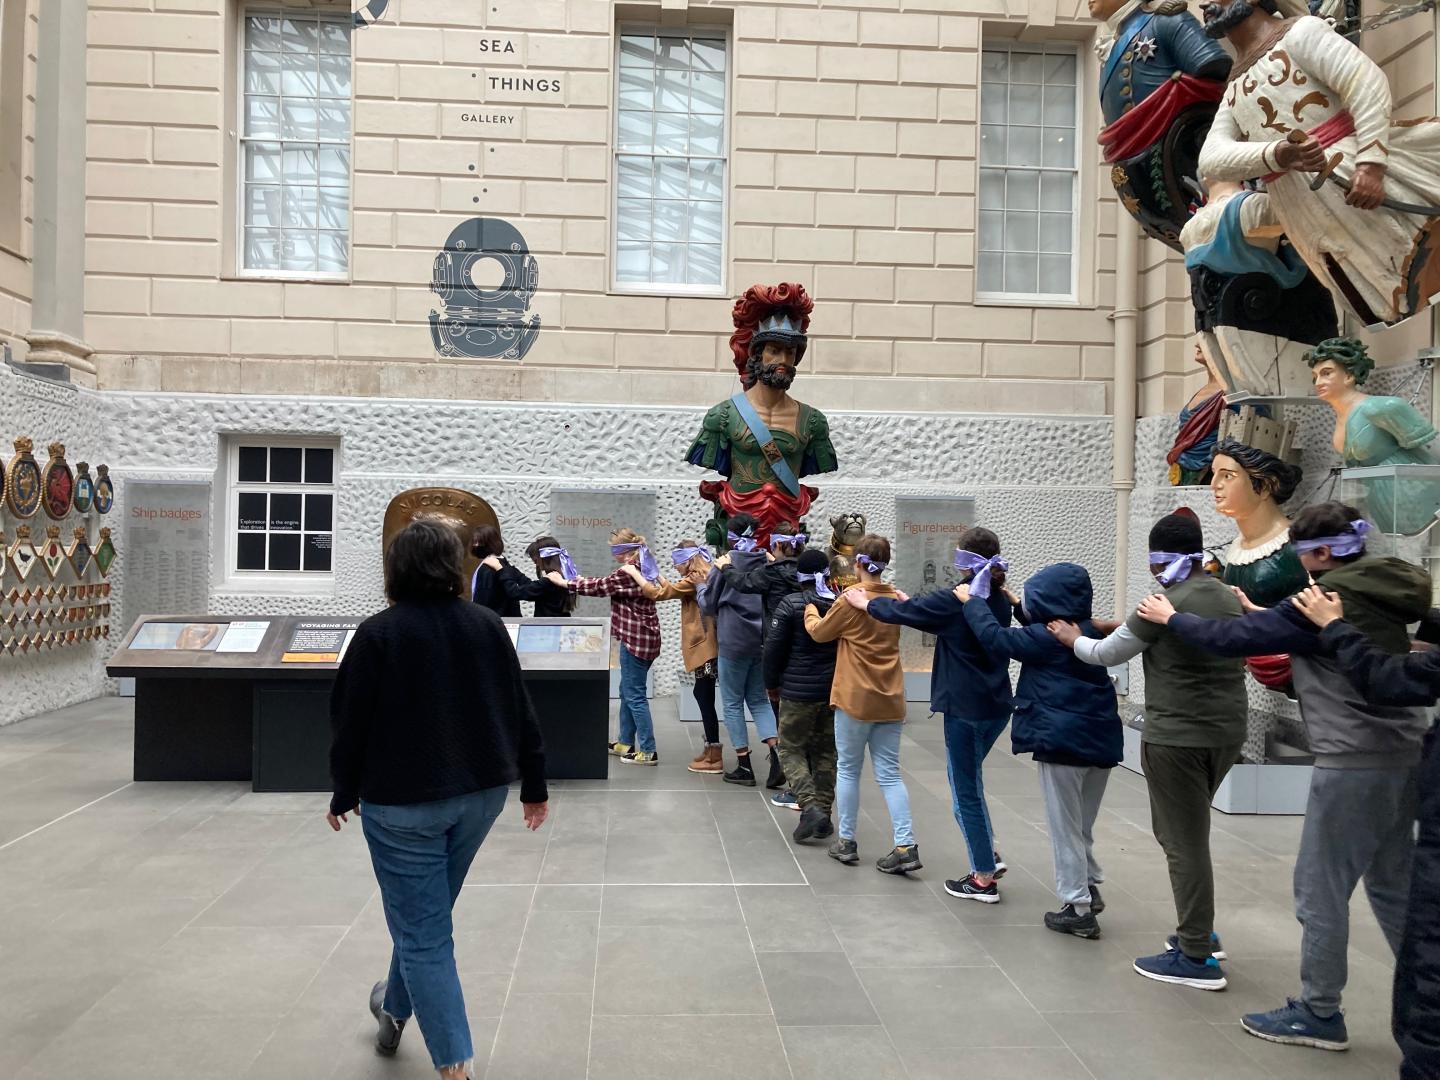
[
  {"x": 421, "y": 853},
  {"x": 636, "y": 726},
  {"x": 967, "y": 742},
  {"x": 851, "y": 738},
  {"x": 742, "y": 683}
]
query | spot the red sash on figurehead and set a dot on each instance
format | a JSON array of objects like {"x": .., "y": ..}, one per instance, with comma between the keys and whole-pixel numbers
[
  {"x": 1146, "y": 124},
  {"x": 1327, "y": 134}
]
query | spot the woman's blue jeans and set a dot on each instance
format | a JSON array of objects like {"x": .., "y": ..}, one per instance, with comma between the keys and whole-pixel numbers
[
  {"x": 421, "y": 853},
  {"x": 967, "y": 742},
  {"x": 851, "y": 738},
  {"x": 742, "y": 683},
  {"x": 636, "y": 726}
]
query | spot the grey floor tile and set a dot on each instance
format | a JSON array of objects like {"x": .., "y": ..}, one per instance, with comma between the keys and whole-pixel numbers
[
  {"x": 557, "y": 955},
  {"x": 1121, "y": 1046},
  {"x": 670, "y": 905},
  {"x": 635, "y": 856},
  {"x": 844, "y": 1053},
  {"x": 209, "y": 1046},
  {"x": 902, "y": 931},
  {"x": 267, "y": 898},
  {"x": 1013, "y": 1063},
  {"x": 667, "y": 970},
  {"x": 787, "y": 918},
  {"x": 815, "y": 988},
  {"x": 543, "y": 1035},
  {"x": 696, "y": 1047},
  {"x": 569, "y": 897},
  {"x": 932, "y": 1008}
]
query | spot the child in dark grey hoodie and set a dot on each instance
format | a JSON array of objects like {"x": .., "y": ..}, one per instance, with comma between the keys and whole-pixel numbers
[{"x": 740, "y": 632}]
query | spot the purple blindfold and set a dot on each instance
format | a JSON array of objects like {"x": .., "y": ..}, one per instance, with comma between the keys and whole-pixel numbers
[
  {"x": 681, "y": 556},
  {"x": 981, "y": 567},
  {"x": 742, "y": 543},
  {"x": 567, "y": 564},
  {"x": 821, "y": 579},
  {"x": 1344, "y": 544},
  {"x": 649, "y": 569},
  {"x": 872, "y": 565},
  {"x": 1178, "y": 565}
]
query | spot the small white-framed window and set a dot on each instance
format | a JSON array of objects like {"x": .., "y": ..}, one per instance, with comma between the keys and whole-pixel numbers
[
  {"x": 280, "y": 510},
  {"x": 295, "y": 126},
  {"x": 1029, "y": 173},
  {"x": 671, "y": 161}
]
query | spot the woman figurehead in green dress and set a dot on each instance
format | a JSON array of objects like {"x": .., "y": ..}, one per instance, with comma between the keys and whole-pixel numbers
[
  {"x": 1374, "y": 430},
  {"x": 1250, "y": 486}
]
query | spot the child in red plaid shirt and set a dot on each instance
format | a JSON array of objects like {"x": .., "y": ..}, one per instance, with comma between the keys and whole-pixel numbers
[{"x": 635, "y": 624}]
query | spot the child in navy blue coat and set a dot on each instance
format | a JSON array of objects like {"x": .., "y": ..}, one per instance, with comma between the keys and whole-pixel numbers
[{"x": 1065, "y": 716}]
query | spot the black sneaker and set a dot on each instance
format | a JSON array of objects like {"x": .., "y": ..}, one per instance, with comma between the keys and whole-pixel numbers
[
  {"x": 902, "y": 860},
  {"x": 810, "y": 819},
  {"x": 742, "y": 773},
  {"x": 387, "y": 1039},
  {"x": 845, "y": 851},
  {"x": 777, "y": 774},
  {"x": 970, "y": 889},
  {"x": 1068, "y": 921},
  {"x": 826, "y": 828},
  {"x": 1097, "y": 902}
]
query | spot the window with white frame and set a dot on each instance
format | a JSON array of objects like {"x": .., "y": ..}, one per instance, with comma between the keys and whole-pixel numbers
[
  {"x": 670, "y": 161},
  {"x": 281, "y": 507},
  {"x": 295, "y": 144},
  {"x": 1029, "y": 175}
]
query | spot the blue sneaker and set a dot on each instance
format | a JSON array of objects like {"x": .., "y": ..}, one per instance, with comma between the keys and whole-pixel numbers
[
  {"x": 785, "y": 800},
  {"x": 1173, "y": 966},
  {"x": 1216, "y": 949},
  {"x": 1296, "y": 1025}
]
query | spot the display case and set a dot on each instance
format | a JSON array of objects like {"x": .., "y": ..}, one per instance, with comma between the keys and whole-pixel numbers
[{"x": 1401, "y": 500}]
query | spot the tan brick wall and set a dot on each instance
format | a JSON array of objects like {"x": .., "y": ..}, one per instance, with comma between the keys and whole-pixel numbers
[
  {"x": 17, "y": 196},
  {"x": 852, "y": 169}
]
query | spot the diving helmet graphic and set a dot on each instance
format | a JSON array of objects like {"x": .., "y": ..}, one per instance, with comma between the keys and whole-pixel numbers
[{"x": 484, "y": 324}]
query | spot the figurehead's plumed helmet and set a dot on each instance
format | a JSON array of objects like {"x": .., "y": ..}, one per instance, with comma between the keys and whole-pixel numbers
[{"x": 774, "y": 313}]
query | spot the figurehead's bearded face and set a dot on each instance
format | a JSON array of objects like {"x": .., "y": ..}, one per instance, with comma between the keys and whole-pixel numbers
[
  {"x": 774, "y": 365},
  {"x": 1221, "y": 18}
]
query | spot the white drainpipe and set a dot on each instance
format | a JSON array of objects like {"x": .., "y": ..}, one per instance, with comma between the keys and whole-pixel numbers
[{"x": 1124, "y": 318}]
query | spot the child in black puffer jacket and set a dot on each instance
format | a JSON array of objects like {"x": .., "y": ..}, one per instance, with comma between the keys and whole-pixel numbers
[{"x": 801, "y": 669}]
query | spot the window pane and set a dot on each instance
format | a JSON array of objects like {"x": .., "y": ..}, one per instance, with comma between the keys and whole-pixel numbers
[
  {"x": 992, "y": 189},
  {"x": 1020, "y": 273},
  {"x": 672, "y": 133},
  {"x": 672, "y": 52},
  {"x": 1024, "y": 146},
  {"x": 633, "y": 176},
  {"x": 333, "y": 209},
  {"x": 300, "y": 34},
  {"x": 262, "y": 117},
  {"x": 1024, "y": 104},
  {"x": 252, "y": 465},
  {"x": 318, "y": 512},
  {"x": 667, "y": 263},
  {"x": 301, "y": 205},
  {"x": 994, "y": 67},
  {"x": 632, "y": 262},
  {"x": 299, "y": 251},
  {"x": 1060, "y": 106},
  {"x": 707, "y": 135},
  {"x": 992, "y": 230},
  {"x": 262, "y": 32},
  {"x": 637, "y": 88},
  {"x": 262, "y": 208},
  {"x": 1056, "y": 190},
  {"x": 334, "y": 166},
  {"x": 634, "y": 132},
  {"x": 702, "y": 264},
  {"x": 707, "y": 180},
  {"x": 706, "y": 223},
  {"x": 250, "y": 551},
  {"x": 300, "y": 164},
  {"x": 672, "y": 91},
  {"x": 707, "y": 93},
  {"x": 1055, "y": 274},
  {"x": 262, "y": 73},
  {"x": 335, "y": 75},
  {"x": 333, "y": 120},
  {"x": 637, "y": 51},
  {"x": 317, "y": 553},
  {"x": 1026, "y": 67},
  {"x": 335, "y": 37},
  {"x": 332, "y": 252},
  {"x": 1022, "y": 190},
  {"x": 319, "y": 465},
  {"x": 1020, "y": 230},
  {"x": 672, "y": 180},
  {"x": 299, "y": 75},
  {"x": 707, "y": 55},
  {"x": 992, "y": 145},
  {"x": 250, "y": 511},
  {"x": 262, "y": 163},
  {"x": 992, "y": 105},
  {"x": 262, "y": 249},
  {"x": 633, "y": 219},
  {"x": 1059, "y": 146},
  {"x": 1055, "y": 232},
  {"x": 285, "y": 464},
  {"x": 1060, "y": 68},
  {"x": 670, "y": 219},
  {"x": 284, "y": 551},
  {"x": 284, "y": 512},
  {"x": 298, "y": 119},
  {"x": 989, "y": 276}
]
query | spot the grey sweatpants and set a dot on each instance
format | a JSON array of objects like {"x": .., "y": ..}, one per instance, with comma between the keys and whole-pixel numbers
[
  {"x": 1359, "y": 825},
  {"x": 1072, "y": 802}
]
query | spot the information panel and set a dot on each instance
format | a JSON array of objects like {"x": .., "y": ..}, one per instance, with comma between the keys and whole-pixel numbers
[
  {"x": 582, "y": 520},
  {"x": 926, "y": 528},
  {"x": 318, "y": 642},
  {"x": 167, "y": 548}
]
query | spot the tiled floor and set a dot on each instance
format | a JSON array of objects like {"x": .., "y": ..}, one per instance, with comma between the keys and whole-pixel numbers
[{"x": 661, "y": 925}]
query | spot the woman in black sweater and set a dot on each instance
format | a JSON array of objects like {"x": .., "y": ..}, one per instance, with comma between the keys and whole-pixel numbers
[
  {"x": 429, "y": 741},
  {"x": 499, "y": 586}
]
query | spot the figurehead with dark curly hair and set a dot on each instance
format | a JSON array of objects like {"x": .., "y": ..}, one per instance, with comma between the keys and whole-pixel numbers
[
  {"x": 1250, "y": 486},
  {"x": 762, "y": 440},
  {"x": 1377, "y": 430}
]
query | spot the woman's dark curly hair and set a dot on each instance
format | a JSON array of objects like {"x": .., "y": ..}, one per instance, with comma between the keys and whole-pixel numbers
[
  {"x": 1347, "y": 352},
  {"x": 1266, "y": 471},
  {"x": 424, "y": 563}
]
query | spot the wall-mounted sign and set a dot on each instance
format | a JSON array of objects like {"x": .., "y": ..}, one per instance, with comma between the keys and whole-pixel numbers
[
  {"x": 926, "y": 528},
  {"x": 167, "y": 548},
  {"x": 582, "y": 520}
]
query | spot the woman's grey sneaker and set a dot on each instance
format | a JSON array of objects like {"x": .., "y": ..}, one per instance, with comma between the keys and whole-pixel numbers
[
  {"x": 844, "y": 851},
  {"x": 970, "y": 889},
  {"x": 387, "y": 1039},
  {"x": 1068, "y": 921},
  {"x": 1097, "y": 902},
  {"x": 1173, "y": 966},
  {"x": 902, "y": 860},
  {"x": 1296, "y": 1025},
  {"x": 810, "y": 820},
  {"x": 1216, "y": 950}
]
